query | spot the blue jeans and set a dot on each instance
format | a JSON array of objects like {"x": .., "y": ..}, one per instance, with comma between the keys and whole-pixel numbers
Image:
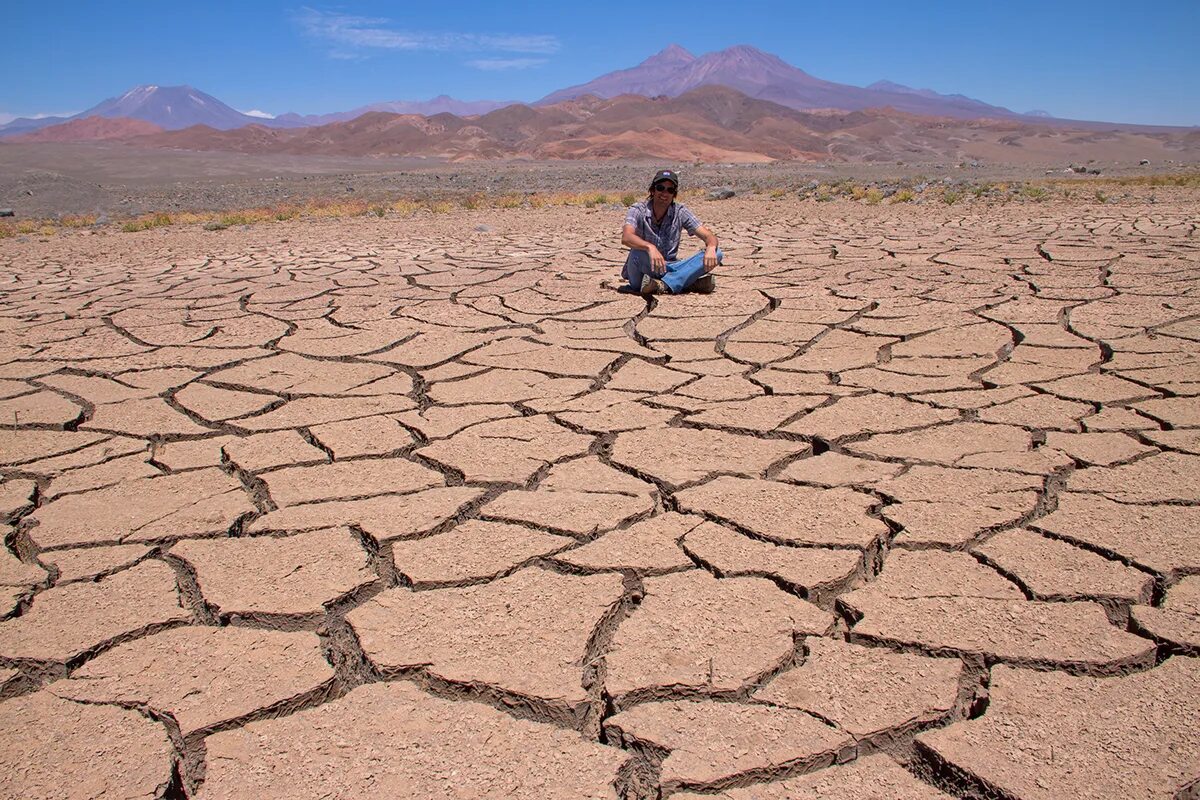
[{"x": 679, "y": 276}]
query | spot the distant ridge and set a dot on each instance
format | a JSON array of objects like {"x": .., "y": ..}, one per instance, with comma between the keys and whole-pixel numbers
[
  {"x": 169, "y": 107},
  {"x": 709, "y": 123},
  {"x": 178, "y": 107},
  {"x": 91, "y": 129},
  {"x": 673, "y": 71},
  {"x": 442, "y": 104}
]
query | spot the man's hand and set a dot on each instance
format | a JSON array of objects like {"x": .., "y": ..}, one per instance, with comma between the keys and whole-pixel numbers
[
  {"x": 658, "y": 264},
  {"x": 710, "y": 258}
]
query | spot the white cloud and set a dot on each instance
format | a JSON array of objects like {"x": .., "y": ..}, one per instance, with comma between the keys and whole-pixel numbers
[
  {"x": 254, "y": 112},
  {"x": 498, "y": 64},
  {"x": 348, "y": 31}
]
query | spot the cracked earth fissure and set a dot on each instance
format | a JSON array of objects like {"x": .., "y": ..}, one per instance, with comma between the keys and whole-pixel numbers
[{"x": 907, "y": 347}]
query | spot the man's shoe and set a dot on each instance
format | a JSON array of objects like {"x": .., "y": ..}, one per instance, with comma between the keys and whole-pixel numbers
[
  {"x": 705, "y": 284},
  {"x": 653, "y": 286}
]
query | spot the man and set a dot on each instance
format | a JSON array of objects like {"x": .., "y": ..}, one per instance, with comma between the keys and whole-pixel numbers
[{"x": 652, "y": 231}]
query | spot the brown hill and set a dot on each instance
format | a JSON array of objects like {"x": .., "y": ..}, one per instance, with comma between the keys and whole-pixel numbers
[
  {"x": 91, "y": 129},
  {"x": 712, "y": 123}
]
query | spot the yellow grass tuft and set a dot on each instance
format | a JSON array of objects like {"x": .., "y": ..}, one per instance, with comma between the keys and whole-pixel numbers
[
  {"x": 147, "y": 222},
  {"x": 508, "y": 201}
]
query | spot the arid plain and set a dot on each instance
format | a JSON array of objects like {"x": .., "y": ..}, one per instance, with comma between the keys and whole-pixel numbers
[{"x": 422, "y": 506}]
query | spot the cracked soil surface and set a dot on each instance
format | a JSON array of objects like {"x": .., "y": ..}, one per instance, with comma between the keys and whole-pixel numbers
[{"x": 908, "y": 508}]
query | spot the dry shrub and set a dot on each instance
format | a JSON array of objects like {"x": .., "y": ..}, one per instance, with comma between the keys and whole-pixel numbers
[
  {"x": 147, "y": 222},
  {"x": 1184, "y": 179},
  {"x": 191, "y": 218},
  {"x": 510, "y": 201},
  {"x": 405, "y": 207},
  {"x": 903, "y": 196},
  {"x": 328, "y": 209}
]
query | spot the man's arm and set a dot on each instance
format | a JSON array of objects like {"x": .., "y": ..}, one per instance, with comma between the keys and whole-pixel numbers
[
  {"x": 658, "y": 264},
  {"x": 710, "y": 247}
]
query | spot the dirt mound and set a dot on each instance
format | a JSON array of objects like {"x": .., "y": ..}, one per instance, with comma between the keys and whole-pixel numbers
[{"x": 92, "y": 129}]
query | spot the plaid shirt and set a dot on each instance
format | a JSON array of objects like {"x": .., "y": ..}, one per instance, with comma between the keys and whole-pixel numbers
[{"x": 666, "y": 235}]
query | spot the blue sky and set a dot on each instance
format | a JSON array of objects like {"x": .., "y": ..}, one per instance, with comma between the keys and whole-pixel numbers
[{"x": 1115, "y": 61}]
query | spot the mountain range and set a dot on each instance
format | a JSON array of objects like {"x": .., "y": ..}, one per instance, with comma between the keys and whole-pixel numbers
[
  {"x": 709, "y": 123},
  {"x": 738, "y": 104},
  {"x": 671, "y": 72},
  {"x": 763, "y": 76}
]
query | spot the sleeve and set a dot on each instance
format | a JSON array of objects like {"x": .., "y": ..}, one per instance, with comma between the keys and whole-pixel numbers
[
  {"x": 689, "y": 221},
  {"x": 633, "y": 215}
]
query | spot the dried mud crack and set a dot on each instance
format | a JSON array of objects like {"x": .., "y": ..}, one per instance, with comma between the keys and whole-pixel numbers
[{"x": 907, "y": 508}]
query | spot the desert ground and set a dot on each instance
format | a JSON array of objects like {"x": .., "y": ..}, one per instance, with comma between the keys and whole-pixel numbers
[
  {"x": 423, "y": 506},
  {"x": 115, "y": 181}
]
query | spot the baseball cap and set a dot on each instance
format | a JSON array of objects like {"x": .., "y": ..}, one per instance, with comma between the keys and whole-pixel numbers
[{"x": 666, "y": 175}]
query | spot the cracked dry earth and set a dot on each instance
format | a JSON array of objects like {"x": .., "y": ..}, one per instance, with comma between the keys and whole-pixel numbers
[{"x": 909, "y": 508}]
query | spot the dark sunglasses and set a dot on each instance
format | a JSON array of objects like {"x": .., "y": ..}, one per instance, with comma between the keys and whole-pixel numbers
[{"x": 664, "y": 187}]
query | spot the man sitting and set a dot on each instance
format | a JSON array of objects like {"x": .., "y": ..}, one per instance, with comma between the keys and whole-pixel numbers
[{"x": 652, "y": 231}]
